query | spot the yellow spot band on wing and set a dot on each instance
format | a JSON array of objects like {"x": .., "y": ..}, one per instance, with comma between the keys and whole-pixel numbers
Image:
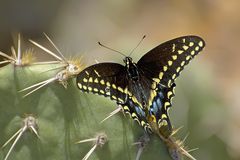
[
  {"x": 85, "y": 80},
  {"x": 120, "y": 89},
  {"x": 80, "y": 85},
  {"x": 102, "y": 82},
  {"x": 180, "y": 51},
  {"x": 108, "y": 84},
  {"x": 185, "y": 47},
  {"x": 188, "y": 58},
  {"x": 102, "y": 92},
  {"x": 174, "y": 57},
  {"x": 125, "y": 108},
  {"x": 165, "y": 68},
  {"x": 191, "y": 44},
  {"x": 160, "y": 75},
  {"x": 200, "y": 43},
  {"x": 85, "y": 87},
  {"x": 182, "y": 63},
  {"x": 170, "y": 63},
  {"x": 90, "y": 80},
  {"x": 96, "y": 80},
  {"x": 192, "y": 53},
  {"x": 178, "y": 69},
  {"x": 114, "y": 86},
  {"x": 169, "y": 94},
  {"x": 166, "y": 104}
]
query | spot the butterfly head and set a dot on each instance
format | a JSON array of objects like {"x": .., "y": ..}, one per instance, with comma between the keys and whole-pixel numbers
[{"x": 128, "y": 61}]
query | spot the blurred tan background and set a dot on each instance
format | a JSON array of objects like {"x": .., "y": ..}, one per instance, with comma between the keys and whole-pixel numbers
[{"x": 208, "y": 88}]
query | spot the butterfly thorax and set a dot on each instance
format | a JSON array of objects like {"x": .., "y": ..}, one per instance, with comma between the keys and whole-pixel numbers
[
  {"x": 135, "y": 84},
  {"x": 132, "y": 70}
]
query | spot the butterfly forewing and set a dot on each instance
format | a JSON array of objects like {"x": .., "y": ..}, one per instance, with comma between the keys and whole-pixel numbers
[
  {"x": 164, "y": 63},
  {"x": 107, "y": 79}
]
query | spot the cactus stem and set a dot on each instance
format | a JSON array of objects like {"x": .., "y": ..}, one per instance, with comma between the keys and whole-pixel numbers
[
  {"x": 70, "y": 69},
  {"x": 62, "y": 77},
  {"x": 119, "y": 108},
  {"x": 28, "y": 123}
]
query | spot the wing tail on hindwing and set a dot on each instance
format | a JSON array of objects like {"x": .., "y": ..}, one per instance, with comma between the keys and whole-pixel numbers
[
  {"x": 107, "y": 79},
  {"x": 159, "y": 110},
  {"x": 164, "y": 62}
]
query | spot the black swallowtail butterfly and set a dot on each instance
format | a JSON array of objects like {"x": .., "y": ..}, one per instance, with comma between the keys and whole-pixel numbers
[{"x": 144, "y": 89}]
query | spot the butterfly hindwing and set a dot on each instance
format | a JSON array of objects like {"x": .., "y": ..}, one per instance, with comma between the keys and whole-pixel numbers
[
  {"x": 137, "y": 113},
  {"x": 164, "y": 62},
  {"x": 107, "y": 79},
  {"x": 160, "y": 107}
]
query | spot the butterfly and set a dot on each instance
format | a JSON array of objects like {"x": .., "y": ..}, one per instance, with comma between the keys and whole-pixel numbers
[{"x": 144, "y": 89}]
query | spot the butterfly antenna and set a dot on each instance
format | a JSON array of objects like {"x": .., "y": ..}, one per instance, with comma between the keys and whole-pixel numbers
[
  {"x": 58, "y": 50},
  {"x": 137, "y": 45},
  {"x": 111, "y": 49}
]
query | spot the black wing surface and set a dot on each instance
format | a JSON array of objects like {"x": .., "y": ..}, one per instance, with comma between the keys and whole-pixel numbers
[
  {"x": 164, "y": 62},
  {"x": 107, "y": 79}
]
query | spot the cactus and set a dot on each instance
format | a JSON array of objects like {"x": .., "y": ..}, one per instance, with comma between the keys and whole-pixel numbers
[
  {"x": 54, "y": 120},
  {"x": 51, "y": 121}
]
